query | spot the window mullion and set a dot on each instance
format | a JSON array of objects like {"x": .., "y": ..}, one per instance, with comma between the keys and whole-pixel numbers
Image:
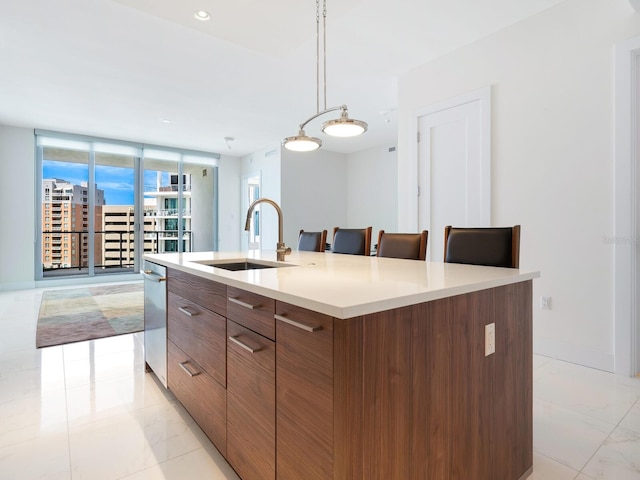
[{"x": 91, "y": 192}]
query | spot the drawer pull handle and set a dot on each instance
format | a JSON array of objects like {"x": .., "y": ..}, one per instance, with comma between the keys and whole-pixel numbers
[
  {"x": 307, "y": 328},
  {"x": 244, "y": 345},
  {"x": 189, "y": 372},
  {"x": 186, "y": 311},
  {"x": 243, "y": 304},
  {"x": 154, "y": 277}
]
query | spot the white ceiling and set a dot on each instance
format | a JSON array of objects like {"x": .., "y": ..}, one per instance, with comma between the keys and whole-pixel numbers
[{"x": 117, "y": 68}]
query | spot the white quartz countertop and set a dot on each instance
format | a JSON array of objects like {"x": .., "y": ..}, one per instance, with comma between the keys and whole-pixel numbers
[{"x": 345, "y": 286}]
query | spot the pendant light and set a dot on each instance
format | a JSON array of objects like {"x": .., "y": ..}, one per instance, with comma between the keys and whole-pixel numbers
[{"x": 340, "y": 127}]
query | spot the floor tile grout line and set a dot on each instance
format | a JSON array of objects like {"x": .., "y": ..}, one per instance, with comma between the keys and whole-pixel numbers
[
  {"x": 556, "y": 461},
  {"x": 162, "y": 463},
  {"x": 607, "y": 438},
  {"x": 583, "y": 474},
  {"x": 614, "y": 428},
  {"x": 636, "y": 401}
]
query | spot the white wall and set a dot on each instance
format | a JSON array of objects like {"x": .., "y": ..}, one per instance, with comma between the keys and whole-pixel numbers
[
  {"x": 266, "y": 164},
  {"x": 229, "y": 215},
  {"x": 201, "y": 206},
  {"x": 372, "y": 193},
  {"x": 314, "y": 193},
  {"x": 322, "y": 190},
  {"x": 552, "y": 158},
  {"x": 17, "y": 215}
]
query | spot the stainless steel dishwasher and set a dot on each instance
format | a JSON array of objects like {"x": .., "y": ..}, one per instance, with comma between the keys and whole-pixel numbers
[{"x": 155, "y": 319}]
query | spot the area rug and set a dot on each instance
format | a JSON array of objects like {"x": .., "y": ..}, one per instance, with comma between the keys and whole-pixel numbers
[{"x": 88, "y": 313}]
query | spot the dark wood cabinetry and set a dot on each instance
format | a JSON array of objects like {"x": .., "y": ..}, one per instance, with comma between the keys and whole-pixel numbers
[
  {"x": 251, "y": 403},
  {"x": 407, "y": 393},
  {"x": 416, "y": 398},
  {"x": 304, "y": 372},
  {"x": 453, "y": 388},
  {"x": 252, "y": 310},
  {"x": 513, "y": 385},
  {"x": 196, "y": 351},
  {"x": 211, "y": 295},
  {"x": 287, "y": 393},
  {"x": 203, "y": 397},
  {"x": 199, "y": 333},
  {"x": 251, "y": 386}
]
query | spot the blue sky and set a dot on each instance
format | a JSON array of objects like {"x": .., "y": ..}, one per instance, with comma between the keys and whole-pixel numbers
[{"x": 116, "y": 182}]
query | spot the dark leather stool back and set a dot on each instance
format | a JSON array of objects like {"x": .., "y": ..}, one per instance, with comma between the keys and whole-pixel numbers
[
  {"x": 411, "y": 246},
  {"x": 312, "y": 241},
  {"x": 496, "y": 247},
  {"x": 351, "y": 241}
]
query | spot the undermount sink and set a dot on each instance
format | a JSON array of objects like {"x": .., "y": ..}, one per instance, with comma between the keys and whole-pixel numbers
[{"x": 238, "y": 264}]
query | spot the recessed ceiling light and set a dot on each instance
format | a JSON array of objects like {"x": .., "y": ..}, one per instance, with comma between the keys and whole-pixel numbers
[
  {"x": 202, "y": 15},
  {"x": 166, "y": 120}
]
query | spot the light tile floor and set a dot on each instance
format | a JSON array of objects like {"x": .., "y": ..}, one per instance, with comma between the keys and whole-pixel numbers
[{"x": 88, "y": 411}]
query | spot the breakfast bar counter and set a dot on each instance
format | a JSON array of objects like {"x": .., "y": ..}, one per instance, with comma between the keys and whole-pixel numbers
[
  {"x": 344, "y": 286},
  {"x": 331, "y": 366}
]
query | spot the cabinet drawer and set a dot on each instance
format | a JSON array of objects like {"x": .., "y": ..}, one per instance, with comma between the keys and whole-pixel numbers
[
  {"x": 252, "y": 311},
  {"x": 251, "y": 408},
  {"x": 209, "y": 294},
  {"x": 204, "y": 398},
  {"x": 201, "y": 334},
  {"x": 305, "y": 414}
]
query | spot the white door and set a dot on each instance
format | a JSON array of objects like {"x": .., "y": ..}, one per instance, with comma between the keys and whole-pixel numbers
[
  {"x": 454, "y": 167},
  {"x": 627, "y": 207},
  {"x": 252, "y": 193},
  {"x": 635, "y": 327}
]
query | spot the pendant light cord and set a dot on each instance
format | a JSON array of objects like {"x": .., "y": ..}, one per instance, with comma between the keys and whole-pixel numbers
[
  {"x": 324, "y": 54},
  {"x": 317, "y": 55},
  {"x": 341, "y": 127},
  {"x": 324, "y": 50}
]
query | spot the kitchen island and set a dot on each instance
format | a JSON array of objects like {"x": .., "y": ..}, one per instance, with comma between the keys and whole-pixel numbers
[{"x": 348, "y": 367}]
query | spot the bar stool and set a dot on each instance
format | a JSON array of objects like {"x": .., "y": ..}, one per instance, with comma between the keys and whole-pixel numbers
[
  {"x": 491, "y": 246},
  {"x": 352, "y": 241},
  {"x": 312, "y": 241},
  {"x": 412, "y": 246}
]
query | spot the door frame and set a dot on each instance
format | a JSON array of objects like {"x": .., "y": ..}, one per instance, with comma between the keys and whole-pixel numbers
[
  {"x": 627, "y": 330},
  {"x": 483, "y": 95},
  {"x": 245, "y": 202}
]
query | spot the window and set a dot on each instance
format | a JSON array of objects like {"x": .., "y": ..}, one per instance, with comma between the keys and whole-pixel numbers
[
  {"x": 171, "y": 224},
  {"x": 84, "y": 175},
  {"x": 171, "y": 246}
]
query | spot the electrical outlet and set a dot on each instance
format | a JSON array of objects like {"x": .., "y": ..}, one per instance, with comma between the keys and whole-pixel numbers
[
  {"x": 489, "y": 339},
  {"x": 545, "y": 303}
]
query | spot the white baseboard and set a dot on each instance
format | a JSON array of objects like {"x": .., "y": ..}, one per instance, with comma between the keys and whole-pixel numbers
[
  {"x": 110, "y": 278},
  {"x": 575, "y": 354},
  {"x": 69, "y": 281},
  {"x": 17, "y": 286}
]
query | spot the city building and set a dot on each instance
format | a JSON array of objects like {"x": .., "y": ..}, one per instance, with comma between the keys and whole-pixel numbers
[
  {"x": 65, "y": 214},
  {"x": 118, "y": 239},
  {"x": 161, "y": 203},
  {"x": 65, "y": 224}
]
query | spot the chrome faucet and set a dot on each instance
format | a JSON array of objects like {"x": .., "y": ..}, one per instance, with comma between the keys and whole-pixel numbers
[{"x": 281, "y": 248}]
